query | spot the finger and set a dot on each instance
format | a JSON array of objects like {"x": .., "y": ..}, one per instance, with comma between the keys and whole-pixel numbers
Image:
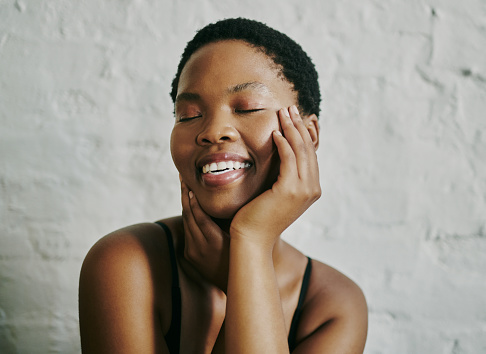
[
  {"x": 186, "y": 207},
  {"x": 304, "y": 181},
  {"x": 306, "y": 156},
  {"x": 199, "y": 224},
  {"x": 302, "y": 145},
  {"x": 208, "y": 227},
  {"x": 308, "y": 167},
  {"x": 290, "y": 131},
  {"x": 184, "y": 197},
  {"x": 299, "y": 125},
  {"x": 288, "y": 127},
  {"x": 190, "y": 225},
  {"x": 295, "y": 140},
  {"x": 288, "y": 164}
]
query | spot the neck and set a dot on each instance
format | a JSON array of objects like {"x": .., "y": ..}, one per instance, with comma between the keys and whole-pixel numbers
[
  {"x": 214, "y": 267},
  {"x": 224, "y": 224}
]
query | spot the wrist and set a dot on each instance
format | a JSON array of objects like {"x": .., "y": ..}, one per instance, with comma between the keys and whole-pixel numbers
[{"x": 255, "y": 246}]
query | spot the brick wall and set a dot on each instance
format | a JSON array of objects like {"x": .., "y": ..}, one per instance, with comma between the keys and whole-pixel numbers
[{"x": 85, "y": 118}]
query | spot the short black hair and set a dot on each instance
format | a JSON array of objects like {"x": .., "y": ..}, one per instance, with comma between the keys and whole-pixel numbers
[{"x": 295, "y": 65}]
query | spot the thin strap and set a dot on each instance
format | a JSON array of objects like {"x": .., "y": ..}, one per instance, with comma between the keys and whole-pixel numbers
[
  {"x": 298, "y": 310},
  {"x": 173, "y": 336}
]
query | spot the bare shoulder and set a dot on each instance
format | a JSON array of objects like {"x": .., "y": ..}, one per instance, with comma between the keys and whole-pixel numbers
[
  {"x": 130, "y": 242},
  {"x": 124, "y": 277},
  {"x": 133, "y": 257},
  {"x": 330, "y": 286},
  {"x": 124, "y": 252},
  {"x": 335, "y": 314}
]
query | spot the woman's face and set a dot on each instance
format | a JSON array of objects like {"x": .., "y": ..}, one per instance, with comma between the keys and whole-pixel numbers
[{"x": 226, "y": 110}]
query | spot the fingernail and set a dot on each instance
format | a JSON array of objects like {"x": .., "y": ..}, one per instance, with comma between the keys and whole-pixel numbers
[
  {"x": 294, "y": 110},
  {"x": 286, "y": 112},
  {"x": 277, "y": 132},
  {"x": 191, "y": 194}
]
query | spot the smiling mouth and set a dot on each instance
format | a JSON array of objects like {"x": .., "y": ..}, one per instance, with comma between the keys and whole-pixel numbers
[{"x": 216, "y": 168}]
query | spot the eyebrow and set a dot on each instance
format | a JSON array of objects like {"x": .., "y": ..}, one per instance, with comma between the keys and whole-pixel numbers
[
  {"x": 187, "y": 96},
  {"x": 252, "y": 85}
]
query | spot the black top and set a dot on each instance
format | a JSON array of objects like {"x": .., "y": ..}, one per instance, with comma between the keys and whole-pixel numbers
[
  {"x": 298, "y": 310},
  {"x": 173, "y": 336}
]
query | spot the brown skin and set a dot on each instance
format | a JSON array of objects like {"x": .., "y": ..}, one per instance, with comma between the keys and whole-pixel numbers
[{"x": 239, "y": 281}]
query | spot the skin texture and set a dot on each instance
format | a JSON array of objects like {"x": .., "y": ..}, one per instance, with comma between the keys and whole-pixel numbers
[{"x": 239, "y": 281}]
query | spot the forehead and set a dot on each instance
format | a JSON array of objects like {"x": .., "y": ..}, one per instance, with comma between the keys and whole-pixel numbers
[{"x": 231, "y": 62}]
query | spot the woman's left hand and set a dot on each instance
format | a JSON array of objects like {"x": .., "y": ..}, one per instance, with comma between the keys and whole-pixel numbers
[{"x": 264, "y": 218}]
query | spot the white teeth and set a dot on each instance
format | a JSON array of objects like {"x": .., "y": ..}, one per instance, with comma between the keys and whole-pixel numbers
[{"x": 224, "y": 166}]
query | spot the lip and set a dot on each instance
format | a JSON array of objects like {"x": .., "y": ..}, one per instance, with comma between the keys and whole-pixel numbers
[
  {"x": 222, "y": 156},
  {"x": 222, "y": 179}
]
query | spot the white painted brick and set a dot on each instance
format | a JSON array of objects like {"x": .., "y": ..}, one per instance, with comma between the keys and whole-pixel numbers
[
  {"x": 85, "y": 119},
  {"x": 459, "y": 43}
]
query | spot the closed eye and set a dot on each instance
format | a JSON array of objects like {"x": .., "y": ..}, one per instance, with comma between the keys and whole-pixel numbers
[
  {"x": 243, "y": 111},
  {"x": 186, "y": 119}
]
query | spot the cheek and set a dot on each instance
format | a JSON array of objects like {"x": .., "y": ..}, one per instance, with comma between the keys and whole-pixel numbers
[
  {"x": 179, "y": 150},
  {"x": 267, "y": 148},
  {"x": 262, "y": 136}
]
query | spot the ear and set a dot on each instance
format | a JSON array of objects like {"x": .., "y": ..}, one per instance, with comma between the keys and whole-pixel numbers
[{"x": 312, "y": 124}]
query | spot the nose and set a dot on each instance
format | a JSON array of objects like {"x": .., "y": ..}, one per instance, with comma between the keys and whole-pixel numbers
[{"x": 218, "y": 128}]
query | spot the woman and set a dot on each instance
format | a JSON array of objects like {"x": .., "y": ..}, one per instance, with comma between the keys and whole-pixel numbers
[{"x": 219, "y": 279}]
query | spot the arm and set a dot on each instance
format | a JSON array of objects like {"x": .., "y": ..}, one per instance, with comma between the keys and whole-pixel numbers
[
  {"x": 334, "y": 321},
  {"x": 254, "y": 318},
  {"x": 116, "y": 299}
]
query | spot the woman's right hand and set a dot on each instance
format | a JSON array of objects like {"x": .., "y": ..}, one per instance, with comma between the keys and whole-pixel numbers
[{"x": 206, "y": 245}]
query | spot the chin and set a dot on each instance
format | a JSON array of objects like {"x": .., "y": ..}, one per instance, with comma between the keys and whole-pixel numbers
[
  {"x": 221, "y": 212},
  {"x": 224, "y": 204}
]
